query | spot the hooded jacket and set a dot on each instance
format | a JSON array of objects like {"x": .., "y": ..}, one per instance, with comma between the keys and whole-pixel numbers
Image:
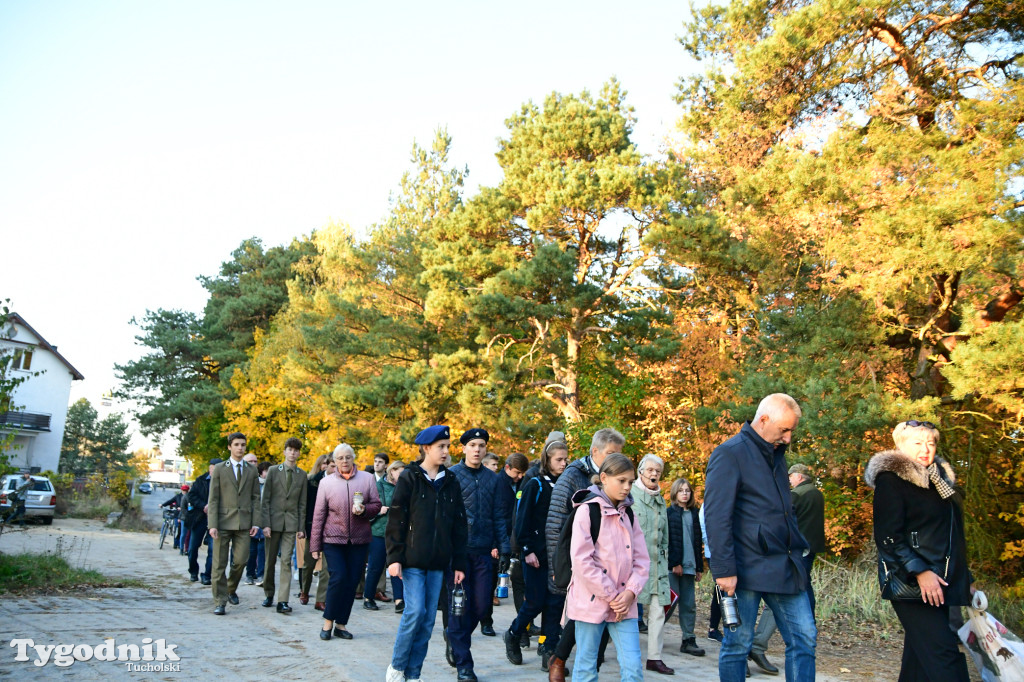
[
  {"x": 427, "y": 522},
  {"x": 748, "y": 514},
  {"x": 912, "y": 523},
  {"x": 602, "y": 570}
]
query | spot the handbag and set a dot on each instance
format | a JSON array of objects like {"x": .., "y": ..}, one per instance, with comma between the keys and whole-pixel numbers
[{"x": 895, "y": 588}]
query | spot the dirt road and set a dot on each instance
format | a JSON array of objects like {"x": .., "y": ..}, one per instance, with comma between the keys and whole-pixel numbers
[{"x": 250, "y": 642}]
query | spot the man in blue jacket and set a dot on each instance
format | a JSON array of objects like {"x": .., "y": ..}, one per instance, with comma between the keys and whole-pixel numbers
[
  {"x": 757, "y": 549},
  {"x": 488, "y": 539}
]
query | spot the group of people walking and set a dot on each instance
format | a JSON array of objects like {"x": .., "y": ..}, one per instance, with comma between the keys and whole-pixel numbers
[{"x": 590, "y": 544}]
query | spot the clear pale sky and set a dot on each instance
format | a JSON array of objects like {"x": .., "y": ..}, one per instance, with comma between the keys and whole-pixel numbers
[{"x": 140, "y": 143}]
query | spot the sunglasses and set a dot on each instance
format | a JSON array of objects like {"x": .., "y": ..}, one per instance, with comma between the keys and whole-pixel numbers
[{"x": 928, "y": 425}]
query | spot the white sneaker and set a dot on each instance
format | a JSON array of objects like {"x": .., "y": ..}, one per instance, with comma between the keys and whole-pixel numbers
[{"x": 393, "y": 675}]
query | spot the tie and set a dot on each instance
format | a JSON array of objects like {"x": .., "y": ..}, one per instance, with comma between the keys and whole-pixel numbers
[
  {"x": 289, "y": 488},
  {"x": 238, "y": 471}
]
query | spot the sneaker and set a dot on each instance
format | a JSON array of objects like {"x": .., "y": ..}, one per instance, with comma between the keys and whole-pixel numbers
[
  {"x": 370, "y": 605},
  {"x": 399, "y": 605},
  {"x": 393, "y": 675},
  {"x": 716, "y": 635},
  {"x": 642, "y": 626},
  {"x": 250, "y": 581}
]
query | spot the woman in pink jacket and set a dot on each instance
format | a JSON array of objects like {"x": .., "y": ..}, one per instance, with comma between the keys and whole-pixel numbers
[
  {"x": 607, "y": 574},
  {"x": 345, "y": 505}
]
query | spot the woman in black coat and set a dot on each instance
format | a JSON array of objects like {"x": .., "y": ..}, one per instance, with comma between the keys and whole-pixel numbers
[{"x": 919, "y": 532}]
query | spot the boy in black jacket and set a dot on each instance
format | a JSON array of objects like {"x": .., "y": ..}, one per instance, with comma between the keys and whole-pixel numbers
[{"x": 426, "y": 533}]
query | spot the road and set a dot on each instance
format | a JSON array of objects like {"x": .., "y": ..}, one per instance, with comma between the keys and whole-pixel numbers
[{"x": 250, "y": 642}]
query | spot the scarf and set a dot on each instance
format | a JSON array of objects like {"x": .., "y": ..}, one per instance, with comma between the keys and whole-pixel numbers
[{"x": 945, "y": 489}]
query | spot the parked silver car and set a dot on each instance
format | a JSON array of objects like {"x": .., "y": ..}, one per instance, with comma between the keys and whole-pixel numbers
[{"x": 41, "y": 497}]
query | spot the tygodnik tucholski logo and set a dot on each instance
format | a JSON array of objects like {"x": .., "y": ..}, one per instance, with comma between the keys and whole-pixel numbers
[{"x": 150, "y": 656}]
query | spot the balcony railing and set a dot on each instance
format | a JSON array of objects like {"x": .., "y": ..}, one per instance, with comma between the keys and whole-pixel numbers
[{"x": 25, "y": 421}]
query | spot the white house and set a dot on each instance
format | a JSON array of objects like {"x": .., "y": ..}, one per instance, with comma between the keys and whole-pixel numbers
[{"x": 39, "y": 406}]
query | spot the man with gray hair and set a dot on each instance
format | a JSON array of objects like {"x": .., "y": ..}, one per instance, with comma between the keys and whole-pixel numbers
[
  {"x": 575, "y": 477},
  {"x": 757, "y": 548}
]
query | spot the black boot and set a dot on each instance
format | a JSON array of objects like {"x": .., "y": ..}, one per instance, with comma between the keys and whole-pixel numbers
[
  {"x": 512, "y": 650},
  {"x": 690, "y": 647}
]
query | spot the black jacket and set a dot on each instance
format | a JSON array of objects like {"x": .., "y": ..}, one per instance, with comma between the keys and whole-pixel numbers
[
  {"x": 427, "y": 525},
  {"x": 312, "y": 485},
  {"x": 532, "y": 517},
  {"x": 748, "y": 514},
  {"x": 675, "y": 537},
  {"x": 575, "y": 477},
  {"x": 809, "y": 505},
  {"x": 486, "y": 508},
  {"x": 198, "y": 496},
  {"x": 912, "y": 524}
]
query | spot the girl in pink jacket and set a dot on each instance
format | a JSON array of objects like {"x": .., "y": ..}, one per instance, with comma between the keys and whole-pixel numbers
[{"x": 607, "y": 574}]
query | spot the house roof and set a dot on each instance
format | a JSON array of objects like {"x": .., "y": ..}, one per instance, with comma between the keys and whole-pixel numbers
[{"x": 43, "y": 343}]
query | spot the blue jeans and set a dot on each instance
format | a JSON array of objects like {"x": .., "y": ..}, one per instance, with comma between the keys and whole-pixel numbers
[
  {"x": 422, "y": 589},
  {"x": 479, "y": 590},
  {"x": 375, "y": 566},
  {"x": 257, "y": 557},
  {"x": 795, "y": 623},
  {"x": 626, "y": 636}
]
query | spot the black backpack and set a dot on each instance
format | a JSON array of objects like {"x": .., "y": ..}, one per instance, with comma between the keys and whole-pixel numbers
[{"x": 563, "y": 550}]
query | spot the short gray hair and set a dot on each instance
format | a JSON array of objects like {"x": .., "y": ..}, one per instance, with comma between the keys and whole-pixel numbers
[
  {"x": 344, "y": 447},
  {"x": 775, "y": 407},
  {"x": 605, "y": 437},
  {"x": 650, "y": 457}
]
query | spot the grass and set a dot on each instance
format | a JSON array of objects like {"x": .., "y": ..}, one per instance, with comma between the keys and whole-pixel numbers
[
  {"x": 95, "y": 506},
  {"x": 51, "y": 572},
  {"x": 134, "y": 520},
  {"x": 849, "y": 599}
]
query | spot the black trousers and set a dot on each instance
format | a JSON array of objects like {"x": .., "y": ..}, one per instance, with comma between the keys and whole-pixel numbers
[
  {"x": 930, "y": 649},
  {"x": 567, "y": 642}
]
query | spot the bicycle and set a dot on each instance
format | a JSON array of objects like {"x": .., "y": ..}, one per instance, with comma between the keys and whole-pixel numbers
[{"x": 170, "y": 524}]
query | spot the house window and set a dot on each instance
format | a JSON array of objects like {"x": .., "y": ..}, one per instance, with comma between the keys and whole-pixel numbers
[{"x": 22, "y": 360}]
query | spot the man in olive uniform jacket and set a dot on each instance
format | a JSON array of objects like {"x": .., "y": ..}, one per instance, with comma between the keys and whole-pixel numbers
[
  {"x": 234, "y": 516},
  {"x": 284, "y": 513}
]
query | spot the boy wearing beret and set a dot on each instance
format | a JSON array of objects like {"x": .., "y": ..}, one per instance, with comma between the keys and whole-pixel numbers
[
  {"x": 486, "y": 514},
  {"x": 426, "y": 533}
]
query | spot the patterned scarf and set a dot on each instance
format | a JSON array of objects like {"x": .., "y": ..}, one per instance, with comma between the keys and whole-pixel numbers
[{"x": 944, "y": 488}]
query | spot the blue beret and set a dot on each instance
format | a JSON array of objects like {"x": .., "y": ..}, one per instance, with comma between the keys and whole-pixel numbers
[
  {"x": 432, "y": 435},
  {"x": 473, "y": 434},
  {"x": 215, "y": 460}
]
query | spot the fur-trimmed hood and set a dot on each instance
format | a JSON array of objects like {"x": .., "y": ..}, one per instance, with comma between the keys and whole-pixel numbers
[{"x": 910, "y": 471}]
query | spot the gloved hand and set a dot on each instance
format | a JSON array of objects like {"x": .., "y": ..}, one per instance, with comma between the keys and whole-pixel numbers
[{"x": 504, "y": 562}]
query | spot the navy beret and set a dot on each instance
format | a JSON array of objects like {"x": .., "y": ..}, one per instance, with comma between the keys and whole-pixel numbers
[
  {"x": 432, "y": 435},
  {"x": 215, "y": 460},
  {"x": 473, "y": 434}
]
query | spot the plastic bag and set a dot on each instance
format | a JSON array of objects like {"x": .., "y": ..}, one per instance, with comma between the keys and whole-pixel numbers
[{"x": 997, "y": 652}]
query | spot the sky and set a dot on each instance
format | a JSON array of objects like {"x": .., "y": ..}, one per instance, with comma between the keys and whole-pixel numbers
[{"x": 140, "y": 143}]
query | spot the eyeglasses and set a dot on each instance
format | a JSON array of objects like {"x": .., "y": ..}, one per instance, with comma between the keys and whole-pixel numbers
[{"x": 927, "y": 425}]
